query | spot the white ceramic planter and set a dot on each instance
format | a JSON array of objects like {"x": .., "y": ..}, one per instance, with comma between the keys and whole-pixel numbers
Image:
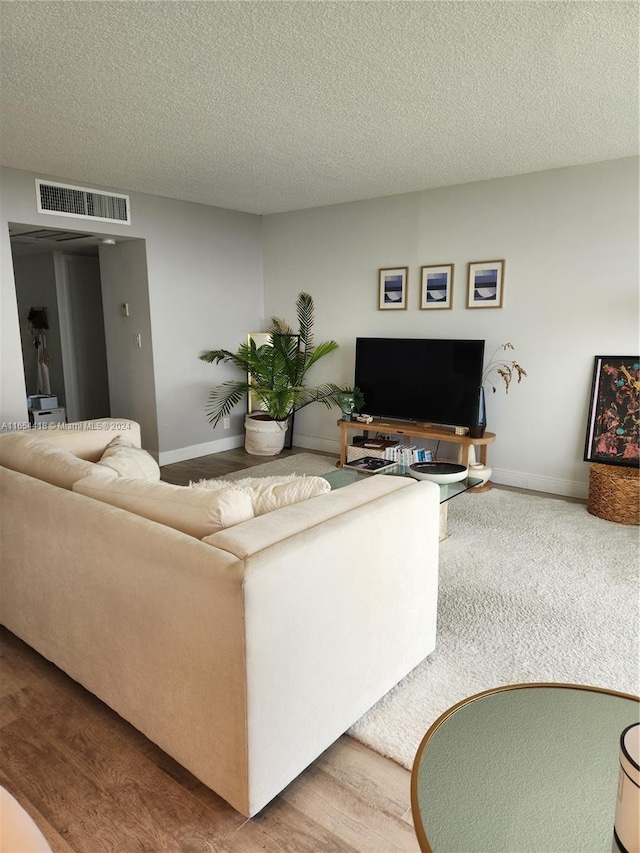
[
  {"x": 264, "y": 437},
  {"x": 478, "y": 471}
]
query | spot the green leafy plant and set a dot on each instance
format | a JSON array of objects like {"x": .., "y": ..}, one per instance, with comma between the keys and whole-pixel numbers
[
  {"x": 506, "y": 370},
  {"x": 275, "y": 373}
]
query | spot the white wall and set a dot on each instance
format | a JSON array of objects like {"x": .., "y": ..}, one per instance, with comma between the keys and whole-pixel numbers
[
  {"x": 123, "y": 273},
  {"x": 570, "y": 240},
  {"x": 205, "y": 289}
]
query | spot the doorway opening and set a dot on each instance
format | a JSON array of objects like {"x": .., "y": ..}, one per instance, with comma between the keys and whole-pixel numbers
[
  {"x": 59, "y": 297},
  {"x": 95, "y": 290}
]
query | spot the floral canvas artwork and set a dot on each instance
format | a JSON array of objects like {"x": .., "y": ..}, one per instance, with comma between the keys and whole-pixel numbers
[{"x": 613, "y": 429}]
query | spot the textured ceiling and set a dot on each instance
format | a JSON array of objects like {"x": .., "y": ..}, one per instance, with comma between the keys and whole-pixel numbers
[{"x": 273, "y": 106}]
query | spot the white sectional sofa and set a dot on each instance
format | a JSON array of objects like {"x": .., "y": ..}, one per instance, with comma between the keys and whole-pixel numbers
[{"x": 243, "y": 654}]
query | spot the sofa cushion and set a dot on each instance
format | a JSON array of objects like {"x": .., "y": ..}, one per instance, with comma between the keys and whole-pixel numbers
[
  {"x": 127, "y": 460},
  {"x": 196, "y": 513},
  {"x": 22, "y": 451},
  {"x": 269, "y": 493}
]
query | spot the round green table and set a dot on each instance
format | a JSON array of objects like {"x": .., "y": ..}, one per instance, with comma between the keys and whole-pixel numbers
[{"x": 531, "y": 768}]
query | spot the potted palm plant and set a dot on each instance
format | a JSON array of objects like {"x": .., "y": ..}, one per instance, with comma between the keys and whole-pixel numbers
[{"x": 275, "y": 375}]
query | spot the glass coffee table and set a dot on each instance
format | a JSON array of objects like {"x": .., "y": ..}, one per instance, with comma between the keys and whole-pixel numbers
[
  {"x": 345, "y": 476},
  {"x": 526, "y": 768}
]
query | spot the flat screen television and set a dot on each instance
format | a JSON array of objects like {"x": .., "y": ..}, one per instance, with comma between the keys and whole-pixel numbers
[{"x": 428, "y": 380}]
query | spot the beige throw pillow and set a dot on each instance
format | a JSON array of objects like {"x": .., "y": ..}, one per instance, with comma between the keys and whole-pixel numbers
[
  {"x": 127, "y": 460},
  {"x": 196, "y": 513},
  {"x": 269, "y": 493}
]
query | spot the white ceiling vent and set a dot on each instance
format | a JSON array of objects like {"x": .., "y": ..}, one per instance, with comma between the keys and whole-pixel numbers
[{"x": 82, "y": 203}]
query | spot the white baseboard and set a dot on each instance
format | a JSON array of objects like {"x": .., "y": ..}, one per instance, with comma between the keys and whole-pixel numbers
[
  {"x": 167, "y": 457},
  {"x": 551, "y": 485}
]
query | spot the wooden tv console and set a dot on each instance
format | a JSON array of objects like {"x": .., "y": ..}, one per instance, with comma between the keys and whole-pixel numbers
[{"x": 415, "y": 430}]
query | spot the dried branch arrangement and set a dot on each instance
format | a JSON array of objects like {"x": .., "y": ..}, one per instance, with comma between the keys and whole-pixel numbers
[{"x": 506, "y": 370}]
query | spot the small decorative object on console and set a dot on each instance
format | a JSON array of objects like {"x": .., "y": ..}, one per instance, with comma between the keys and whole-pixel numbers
[
  {"x": 347, "y": 402},
  {"x": 438, "y": 472},
  {"x": 364, "y": 419}
]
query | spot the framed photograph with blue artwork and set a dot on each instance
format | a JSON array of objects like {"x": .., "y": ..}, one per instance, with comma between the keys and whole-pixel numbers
[
  {"x": 486, "y": 284},
  {"x": 436, "y": 286},
  {"x": 613, "y": 428},
  {"x": 392, "y": 288}
]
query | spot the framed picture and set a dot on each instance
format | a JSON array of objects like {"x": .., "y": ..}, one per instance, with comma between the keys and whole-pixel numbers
[
  {"x": 613, "y": 428},
  {"x": 436, "y": 286},
  {"x": 486, "y": 284},
  {"x": 393, "y": 284}
]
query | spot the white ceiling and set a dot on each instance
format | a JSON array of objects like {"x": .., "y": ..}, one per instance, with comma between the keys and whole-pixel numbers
[{"x": 274, "y": 106}]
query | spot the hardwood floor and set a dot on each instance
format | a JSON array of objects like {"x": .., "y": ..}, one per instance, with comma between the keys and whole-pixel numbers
[
  {"x": 93, "y": 783},
  {"x": 219, "y": 464}
]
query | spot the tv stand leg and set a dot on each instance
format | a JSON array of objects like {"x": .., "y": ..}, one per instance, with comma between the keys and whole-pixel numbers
[{"x": 466, "y": 455}]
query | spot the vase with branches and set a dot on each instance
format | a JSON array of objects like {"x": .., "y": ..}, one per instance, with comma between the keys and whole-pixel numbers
[{"x": 505, "y": 371}]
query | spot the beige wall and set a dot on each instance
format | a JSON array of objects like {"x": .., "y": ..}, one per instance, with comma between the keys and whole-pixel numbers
[{"x": 570, "y": 240}]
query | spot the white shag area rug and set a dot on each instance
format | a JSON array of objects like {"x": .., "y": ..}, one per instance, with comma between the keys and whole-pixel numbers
[{"x": 530, "y": 589}]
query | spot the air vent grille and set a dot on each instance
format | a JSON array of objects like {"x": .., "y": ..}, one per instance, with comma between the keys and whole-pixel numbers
[{"x": 82, "y": 203}]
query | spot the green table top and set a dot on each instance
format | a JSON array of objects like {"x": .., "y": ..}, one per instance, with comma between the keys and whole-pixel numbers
[{"x": 524, "y": 769}]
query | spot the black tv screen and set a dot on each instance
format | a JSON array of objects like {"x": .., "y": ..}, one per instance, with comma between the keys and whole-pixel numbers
[{"x": 428, "y": 380}]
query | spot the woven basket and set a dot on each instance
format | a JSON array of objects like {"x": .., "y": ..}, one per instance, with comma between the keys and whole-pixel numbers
[
  {"x": 614, "y": 493},
  {"x": 355, "y": 452}
]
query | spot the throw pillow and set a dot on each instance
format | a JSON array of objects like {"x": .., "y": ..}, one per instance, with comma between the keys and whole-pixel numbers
[
  {"x": 127, "y": 460},
  {"x": 269, "y": 493}
]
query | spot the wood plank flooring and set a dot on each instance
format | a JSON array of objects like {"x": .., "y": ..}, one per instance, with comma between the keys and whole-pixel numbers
[
  {"x": 93, "y": 783},
  {"x": 219, "y": 464}
]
